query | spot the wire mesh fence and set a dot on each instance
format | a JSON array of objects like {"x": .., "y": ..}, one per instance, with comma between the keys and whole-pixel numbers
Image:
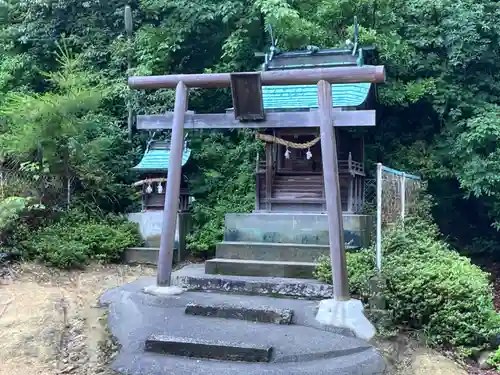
[
  {"x": 399, "y": 194},
  {"x": 370, "y": 202},
  {"x": 394, "y": 205},
  {"x": 391, "y": 196}
]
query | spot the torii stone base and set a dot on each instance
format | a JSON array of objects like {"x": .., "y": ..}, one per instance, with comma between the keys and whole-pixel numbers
[{"x": 346, "y": 314}]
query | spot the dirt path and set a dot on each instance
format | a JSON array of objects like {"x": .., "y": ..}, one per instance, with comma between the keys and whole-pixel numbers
[{"x": 49, "y": 321}]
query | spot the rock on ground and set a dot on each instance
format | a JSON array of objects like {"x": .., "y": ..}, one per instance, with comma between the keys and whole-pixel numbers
[{"x": 426, "y": 362}]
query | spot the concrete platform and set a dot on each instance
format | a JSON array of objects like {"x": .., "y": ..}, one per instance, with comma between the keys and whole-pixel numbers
[
  {"x": 194, "y": 278},
  {"x": 141, "y": 255},
  {"x": 242, "y": 267},
  {"x": 296, "y": 228},
  {"x": 303, "y": 348},
  {"x": 147, "y": 255},
  {"x": 271, "y": 251}
]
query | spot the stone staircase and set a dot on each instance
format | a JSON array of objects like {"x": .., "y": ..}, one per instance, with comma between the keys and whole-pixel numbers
[
  {"x": 228, "y": 319},
  {"x": 266, "y": 259},
  {"x": 228, "y": 333},
  {"x": 280, "y": 245}
]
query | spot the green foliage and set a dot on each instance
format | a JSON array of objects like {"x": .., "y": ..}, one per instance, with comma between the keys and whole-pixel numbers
[
  {"x": 63, "y": 141},
  {"x": 494, "y": 360},
  {"x": 10, "y": 210},
  {"x": 17, "y": 216},
  {"x": 360, "y": 269},
  {"x": 476, "y": 150},
  {"x": 430, "y": 286},
  {"x": 224, "y": 181},
  {"x": 65, "y": 239},
  {"x": 77, "y": 239}
]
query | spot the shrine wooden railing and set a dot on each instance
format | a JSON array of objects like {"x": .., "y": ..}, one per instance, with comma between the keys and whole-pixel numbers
[
  {"x": 156, "y": 201},
  {"x": 345, "y": 167},
  {"x": 261, "y": 166},
  {"x": 351, "y": 174}
]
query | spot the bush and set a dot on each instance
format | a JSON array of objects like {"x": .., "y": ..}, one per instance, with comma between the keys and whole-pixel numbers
[
  {"x": 10, "y": 210},
  {"x": 18, "y": 215},
  {"x": 360, "y": 269},
  {"x": 77, "y": 239},
  {"x": 494, "y": 360},
  {"x": 430, "y": 286}
]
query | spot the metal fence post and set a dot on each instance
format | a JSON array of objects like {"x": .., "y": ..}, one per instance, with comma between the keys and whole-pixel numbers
[
  {"x": 379, "y": 217},
  {"x": 403, "y": 197}
]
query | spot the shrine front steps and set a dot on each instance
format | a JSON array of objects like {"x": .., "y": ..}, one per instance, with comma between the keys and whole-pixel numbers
[
  {"x": 194, "y": 278},
  {"x": 271, "y": 252},
  {"x": 266, "y": 259},
  {"x": 245, "y": 267},
  {"x": 250, "y": 258}
]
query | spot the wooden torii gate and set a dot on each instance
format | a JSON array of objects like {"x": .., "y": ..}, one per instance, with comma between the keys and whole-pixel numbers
[{"x": 249, "y": 113}]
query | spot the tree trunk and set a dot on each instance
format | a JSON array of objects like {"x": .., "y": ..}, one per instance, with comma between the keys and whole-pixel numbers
[
  {"x": 67, "y": 177},
  {"x": 41, "y": 172}
]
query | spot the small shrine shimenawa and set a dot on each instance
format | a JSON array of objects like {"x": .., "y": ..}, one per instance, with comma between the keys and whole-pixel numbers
[{"x": 309, "y": 184}]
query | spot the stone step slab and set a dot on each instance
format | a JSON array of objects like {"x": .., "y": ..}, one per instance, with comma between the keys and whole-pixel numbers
[
  {"x": 240, "y": 267},
  {"x": 283, "y": 252},
  {"x": 260, "y": 315},
  {"x": 210, "y": 349},
  {"x": 193, "y": 277}
]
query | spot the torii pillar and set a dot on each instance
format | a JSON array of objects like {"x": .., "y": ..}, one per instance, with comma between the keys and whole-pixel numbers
[{"x": 341, "y": 310}]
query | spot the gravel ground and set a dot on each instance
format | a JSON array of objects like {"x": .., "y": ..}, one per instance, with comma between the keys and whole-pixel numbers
[{"x": 49, "y": 321}]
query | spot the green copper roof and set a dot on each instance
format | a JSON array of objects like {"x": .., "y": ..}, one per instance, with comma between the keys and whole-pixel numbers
[
  {"x": 157, "y": 156},
  {"x": 306, "y": 96}
]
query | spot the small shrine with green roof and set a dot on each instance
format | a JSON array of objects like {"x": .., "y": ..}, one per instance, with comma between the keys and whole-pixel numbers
[
  {"x": 290, "y": 179},
  {"x": 152, "y": 172},
  {"x": 153, "y": 169}
]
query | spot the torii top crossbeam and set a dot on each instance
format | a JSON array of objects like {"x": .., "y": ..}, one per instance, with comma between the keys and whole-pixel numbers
[{"x": 352, "y": 74}]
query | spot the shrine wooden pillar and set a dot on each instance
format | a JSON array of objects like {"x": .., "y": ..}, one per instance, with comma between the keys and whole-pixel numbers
[
  {"x": 269, "y": 175},
  {"x": 332, "y": 193},
  {"x": 171, "y": 206}
]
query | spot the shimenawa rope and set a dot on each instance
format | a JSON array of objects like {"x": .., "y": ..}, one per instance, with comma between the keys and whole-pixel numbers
[{"x": 290, "y": 144}]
